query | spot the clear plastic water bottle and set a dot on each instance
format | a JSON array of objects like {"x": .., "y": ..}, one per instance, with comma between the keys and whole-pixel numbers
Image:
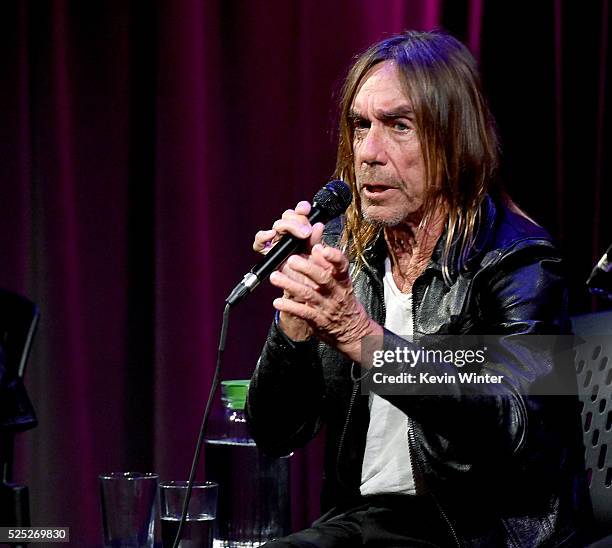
[{"x": 254, "y": 499}]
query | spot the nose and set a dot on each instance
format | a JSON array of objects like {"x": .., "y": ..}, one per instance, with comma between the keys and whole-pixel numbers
[{"x": 370, "y": 149}]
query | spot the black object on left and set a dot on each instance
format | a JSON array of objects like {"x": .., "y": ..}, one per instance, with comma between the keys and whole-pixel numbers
[{"x": 18, "y": 320}]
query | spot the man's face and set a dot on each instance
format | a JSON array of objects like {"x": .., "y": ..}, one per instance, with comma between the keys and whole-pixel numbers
[{"x": 389, "y": 165}]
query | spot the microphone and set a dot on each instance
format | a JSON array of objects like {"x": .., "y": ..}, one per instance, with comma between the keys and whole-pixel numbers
[
  {"x": 328, "y": 203},
  {"x": 600, "y": 280}
]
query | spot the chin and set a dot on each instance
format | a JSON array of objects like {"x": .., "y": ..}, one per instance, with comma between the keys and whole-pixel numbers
[{"x": 383, "y": 216}]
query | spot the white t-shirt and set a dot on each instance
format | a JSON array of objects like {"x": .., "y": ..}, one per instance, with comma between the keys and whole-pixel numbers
[{"x": 387, "y": 467}]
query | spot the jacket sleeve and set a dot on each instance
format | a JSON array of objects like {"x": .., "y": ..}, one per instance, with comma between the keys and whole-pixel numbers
[
  {"x": 285, "y": 398},
  {"x": 523, "y": 293}
]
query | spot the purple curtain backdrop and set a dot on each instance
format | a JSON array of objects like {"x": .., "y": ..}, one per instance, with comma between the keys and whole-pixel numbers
[{"x": 143, "y": 144}]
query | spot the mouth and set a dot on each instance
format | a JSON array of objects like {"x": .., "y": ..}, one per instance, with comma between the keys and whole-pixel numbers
[{"x": 377, "y": 189}]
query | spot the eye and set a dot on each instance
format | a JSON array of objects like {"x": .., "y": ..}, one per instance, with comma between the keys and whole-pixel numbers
[
  {"x": 402, "y": 127},
  {"x": 360, "y": 124}
]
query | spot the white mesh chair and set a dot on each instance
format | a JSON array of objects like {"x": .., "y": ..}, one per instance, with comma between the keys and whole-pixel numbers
[{"x": 593, "y": 363}]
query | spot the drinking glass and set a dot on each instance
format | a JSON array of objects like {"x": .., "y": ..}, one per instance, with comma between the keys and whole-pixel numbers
[
  {"x": 129, "y": 508},
  {"x": 202, "y": 511}
]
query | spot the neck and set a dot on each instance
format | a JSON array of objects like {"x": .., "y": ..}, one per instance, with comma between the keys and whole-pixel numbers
[{"x": 411, "y": 246}]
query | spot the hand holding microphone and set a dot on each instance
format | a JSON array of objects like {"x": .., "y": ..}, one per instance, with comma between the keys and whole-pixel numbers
[
  {"x": 289, "y": 236},
  {"x": 318, "y": 291},
  {"x": 294, "y": 222}
]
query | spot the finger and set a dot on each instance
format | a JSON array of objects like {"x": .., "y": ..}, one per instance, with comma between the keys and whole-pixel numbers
[
  {"x": 300, "y": 220},
  {"x": 334, "y": 256},
  {"x": 295, "y": 308},
  {"x": 291, "y": 214},
  {"x": 321, "y": 261},
  {"x": 318, "y": 258},
  {"x": 302, "y": 208},
  {"x": 297, "y": 290},
  {"x": 288, "y": 271},
  {"x": 291, "y": 226},
  {"x": 264, "y": 239},
  {"x": 321, "y": 276},
  {"x": 316, "y": 237}
]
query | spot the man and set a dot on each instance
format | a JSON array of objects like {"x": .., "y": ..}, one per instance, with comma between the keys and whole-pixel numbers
[{"x": 431, "y": 244}]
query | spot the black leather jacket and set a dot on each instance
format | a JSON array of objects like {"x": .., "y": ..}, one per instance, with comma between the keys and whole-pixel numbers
[{"x": 505, "y": 471}]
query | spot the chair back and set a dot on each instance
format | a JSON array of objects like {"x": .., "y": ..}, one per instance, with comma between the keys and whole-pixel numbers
[{"x": 593, "y": 363}]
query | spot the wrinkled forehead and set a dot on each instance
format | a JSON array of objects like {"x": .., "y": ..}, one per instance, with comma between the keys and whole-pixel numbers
[{"x": 381, "y": 90}]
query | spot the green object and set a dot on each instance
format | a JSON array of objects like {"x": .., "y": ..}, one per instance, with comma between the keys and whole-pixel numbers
[{"x": 234, "y": 393}]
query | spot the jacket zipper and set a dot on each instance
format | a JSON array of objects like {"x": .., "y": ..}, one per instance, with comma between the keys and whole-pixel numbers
[
  {"x": 354, "y": 393},
  {"x": 346, "y": 423},
  {"x": 411, "y": 446},
  {"x": 414, "y": 447}
]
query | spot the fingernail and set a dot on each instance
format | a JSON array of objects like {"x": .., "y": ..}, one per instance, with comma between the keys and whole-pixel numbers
[{"x": 306, "y": 231}]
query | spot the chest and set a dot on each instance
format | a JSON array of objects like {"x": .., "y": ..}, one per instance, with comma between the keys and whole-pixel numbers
[{"x": 436, "y": 306}]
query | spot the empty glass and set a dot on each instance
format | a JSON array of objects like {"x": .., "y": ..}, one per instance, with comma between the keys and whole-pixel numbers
[{"x": 129, "y": 508}]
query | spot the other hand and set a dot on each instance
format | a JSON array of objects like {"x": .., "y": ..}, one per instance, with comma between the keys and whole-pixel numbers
[{"x": 324, "y": 298}]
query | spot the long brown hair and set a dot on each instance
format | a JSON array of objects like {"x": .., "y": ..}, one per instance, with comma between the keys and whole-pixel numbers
[{"x": 455, "y": 129}]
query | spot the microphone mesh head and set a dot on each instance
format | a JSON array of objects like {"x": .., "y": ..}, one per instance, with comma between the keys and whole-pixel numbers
[{"x": 333, "y": 198}]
